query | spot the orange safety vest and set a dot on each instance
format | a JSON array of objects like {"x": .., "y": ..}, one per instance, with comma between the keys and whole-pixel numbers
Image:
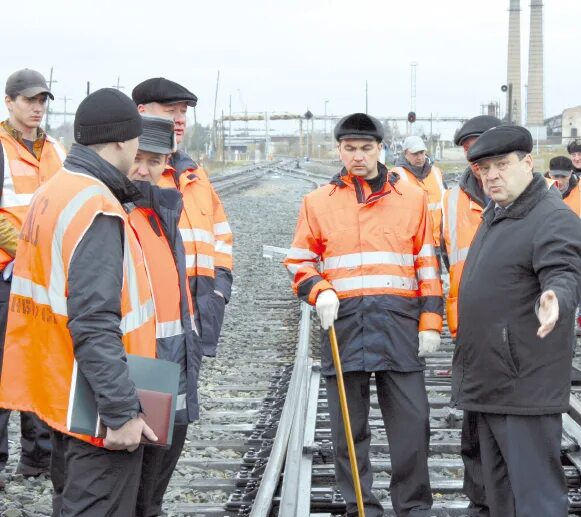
[
  {"x": 163, "y": 274},
  {"x": 382, "y": 246},
  {"x": 461, "y": 219},
  {"x": 433, "y": 185},
  {"x": 573, "y": 200},
  {"x": 39, "y": 360},
  {"x": 203, "y": 224},
  {"x": 23, "y": 174}
]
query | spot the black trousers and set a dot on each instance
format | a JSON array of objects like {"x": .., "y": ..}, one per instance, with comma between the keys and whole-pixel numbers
[
  {"x": 521, "y": 465},
  {"x": 89, "y": 481},
  {"x": 405, "y": 411},
  {"x": 156, "y": 471},
  {"x": 34, "y": 433},
  {"x": 473, "y": 476}
]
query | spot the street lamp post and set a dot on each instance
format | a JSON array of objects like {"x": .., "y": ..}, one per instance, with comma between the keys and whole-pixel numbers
[{"x": 325, "y": 132}]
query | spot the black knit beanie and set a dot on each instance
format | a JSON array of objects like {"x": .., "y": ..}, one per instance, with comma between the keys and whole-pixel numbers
[{"x": 107, "y": 115}]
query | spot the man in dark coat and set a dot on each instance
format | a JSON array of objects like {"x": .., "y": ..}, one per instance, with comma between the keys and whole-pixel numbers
[{"x": 520, "y": 286}]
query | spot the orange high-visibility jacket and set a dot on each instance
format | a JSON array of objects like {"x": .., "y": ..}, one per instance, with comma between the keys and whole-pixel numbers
[
  {"x": 433, "y": 185},
  {"x": 461, "y": 218},
  {"x": 573, "y": 199},
  {"x": 174, "y": 312},
  {"x": 207, "y": 239},
  {"x": 38, "y": 357},
  {"x": 376, "y": 251},
  {"x": 23, "y": 174},
  {"x": 163, "y": 274}
]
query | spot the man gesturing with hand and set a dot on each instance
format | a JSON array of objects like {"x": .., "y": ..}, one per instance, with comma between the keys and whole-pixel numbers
[
  {"x": 520, "y": 287},
  {"x": 379, "y": 286}
]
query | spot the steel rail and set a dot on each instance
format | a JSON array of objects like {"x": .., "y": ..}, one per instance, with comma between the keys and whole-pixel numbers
[{"x": 270, "y": 480}]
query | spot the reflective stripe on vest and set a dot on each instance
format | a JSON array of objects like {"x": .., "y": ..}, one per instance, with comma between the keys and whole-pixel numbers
[
  {"x": 59, "y": 217},
  {"x": 163, "y": 274},
  {"x": 342, "y": 285},
  {"x": 10, "y": 198}
]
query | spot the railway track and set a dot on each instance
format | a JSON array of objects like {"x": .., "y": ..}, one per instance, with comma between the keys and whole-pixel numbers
[
  {"x": 286, "y": 467},
  {"x": 263, "y": 444}
]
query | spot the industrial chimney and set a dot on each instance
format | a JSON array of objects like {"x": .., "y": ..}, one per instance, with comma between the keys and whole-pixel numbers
[
  {"x": 535, "y": 94},
  {"x": 513, "y": 102}
]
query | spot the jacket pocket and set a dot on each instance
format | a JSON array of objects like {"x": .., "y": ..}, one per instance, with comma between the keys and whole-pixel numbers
[
  {"x": 398, "y": 240},
  {"x": 511, "y": 355}
]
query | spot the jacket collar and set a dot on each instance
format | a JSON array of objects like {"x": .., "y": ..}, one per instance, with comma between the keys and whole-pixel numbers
[
  {"x": 572, "y": 184},
  {"x": 83, "y": 159},
  {"x": 471, "y": 186},
  {"x": 181, "y": 162},
  {"x": 419, "y": 172},
  {"x": 522, "y": 205},
  {"x": 155, "y": 197},
  {"x": 345, "y": 179}
]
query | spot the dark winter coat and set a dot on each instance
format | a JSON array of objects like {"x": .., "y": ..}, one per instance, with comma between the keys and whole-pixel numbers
[{"x": 500, "y": 365}]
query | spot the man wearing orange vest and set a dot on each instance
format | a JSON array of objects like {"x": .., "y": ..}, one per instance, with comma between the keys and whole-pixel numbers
[
  {"x": 380, "y": 287},
  {"x": 28, "y": 158},
  {"x": 155, "y": 220},
  {"x": 462, "y": 212},
  {"x": 414, "y": 166},
  {"x": 561, "y": 172},
  {"x": 80, "y": 300},
  {"x": 204, "y": 227}
]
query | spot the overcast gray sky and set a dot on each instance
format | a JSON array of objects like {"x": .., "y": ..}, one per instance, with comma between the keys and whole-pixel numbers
[{"x": 287, "y": 55}]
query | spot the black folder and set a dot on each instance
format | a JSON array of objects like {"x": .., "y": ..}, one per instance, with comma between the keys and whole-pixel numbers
[{"x": 156, "y": 381}]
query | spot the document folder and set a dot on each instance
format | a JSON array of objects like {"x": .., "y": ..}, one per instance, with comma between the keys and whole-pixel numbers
[{"x": 157, "y": 384}]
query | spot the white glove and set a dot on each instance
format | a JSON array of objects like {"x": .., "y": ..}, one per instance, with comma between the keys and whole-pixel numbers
[
  {"x": 327, "y": 307},
  {"x": 429, "y": 342}
]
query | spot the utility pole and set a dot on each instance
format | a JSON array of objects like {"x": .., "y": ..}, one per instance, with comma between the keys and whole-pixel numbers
[
  {"x": 51, "y": 81},
  {"x": 215, "y": 105},
  {"x": 118, "y": 85},
  {"x": 222, "y": 139},
  {"x": 230, "y": 130},
  {"x": 366, "y": 96},
  {"x": 413, "y": 65},
  {"x": 65, "y": 99},
  {"x": 325, "y": 132},
  {"x": 267, "y": 138}
]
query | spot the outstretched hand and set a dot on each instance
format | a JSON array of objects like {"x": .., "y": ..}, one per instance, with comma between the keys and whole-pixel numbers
[{"x": 548, "y": 313}]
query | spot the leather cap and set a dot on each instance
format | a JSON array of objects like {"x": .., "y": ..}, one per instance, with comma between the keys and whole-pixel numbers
[
  {"x": 574, "y": 146},
  {"x": 501, "y": 140},
  {"x": 162, "y": 90},
  {"x": 359, "y": 126},
  {"x": 475, "y": 127},
  {"x": 560, "y": 166}
]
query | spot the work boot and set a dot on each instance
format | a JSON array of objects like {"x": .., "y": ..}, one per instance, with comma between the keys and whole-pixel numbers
[{"x": 28, "y": 471}]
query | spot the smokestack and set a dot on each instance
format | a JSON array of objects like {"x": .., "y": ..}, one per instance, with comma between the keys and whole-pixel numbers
[
  {"x": 513, "y": 65},
  {"x": 535, "y": 94}
]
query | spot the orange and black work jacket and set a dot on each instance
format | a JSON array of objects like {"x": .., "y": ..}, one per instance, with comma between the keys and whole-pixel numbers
[
  {"x": 432, "y": 182},
  {"x": 377, "y": 252},
  {"x": 80, "y": 298},
  {"x": 23, "y": 173},
  {"x": 462, "y": 213},
  {"x": 208, "y": 242},
  {"x": 155, "y": 221},
  {"x": 572, "y": 196}
]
